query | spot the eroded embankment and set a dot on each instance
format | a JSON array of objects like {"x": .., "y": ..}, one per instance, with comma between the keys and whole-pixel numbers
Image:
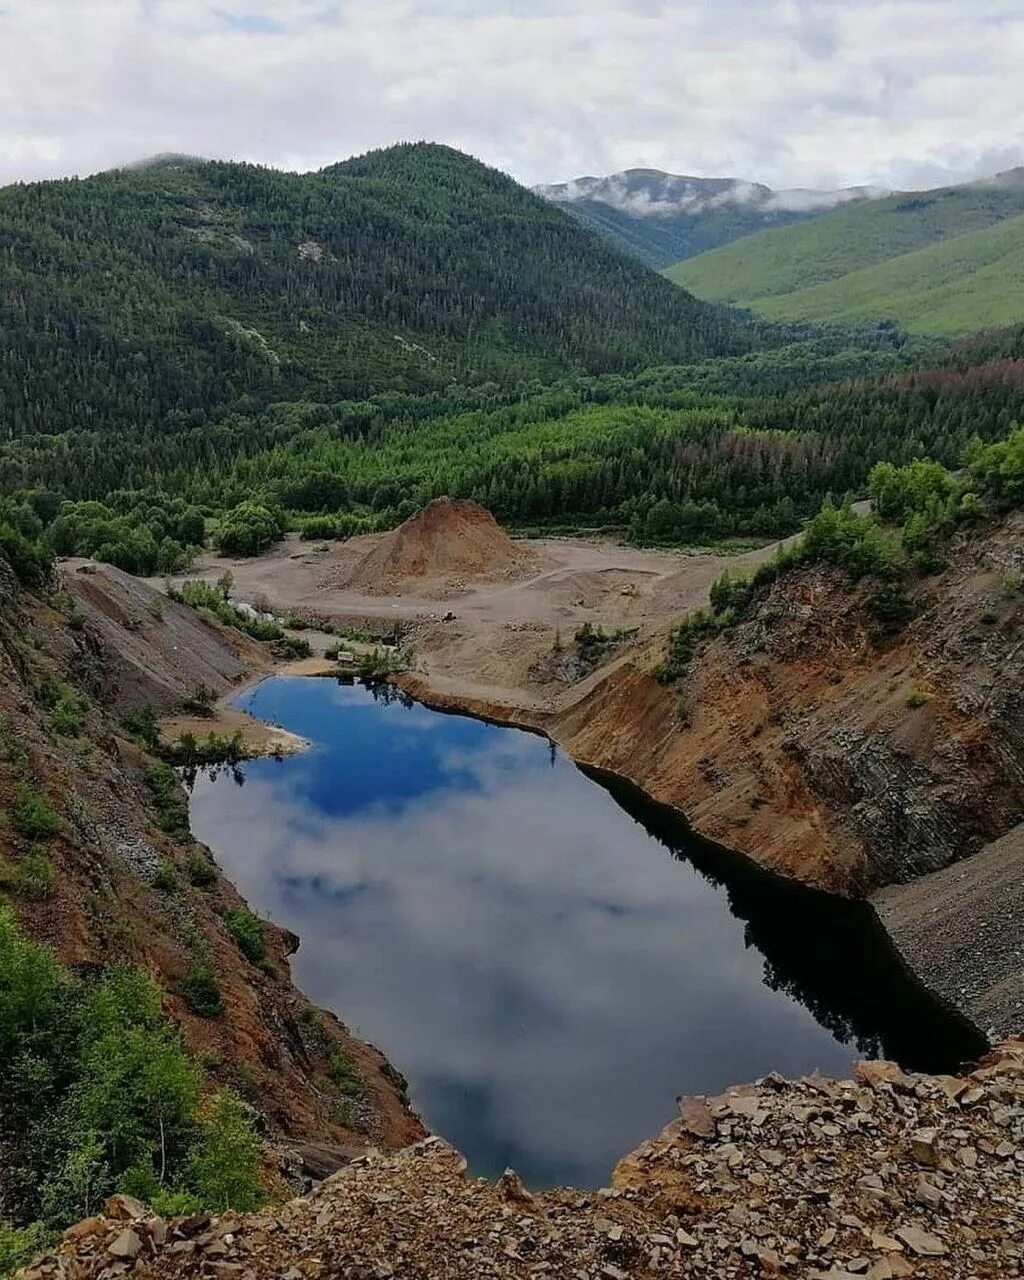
[{"x": 128, "y": 882}]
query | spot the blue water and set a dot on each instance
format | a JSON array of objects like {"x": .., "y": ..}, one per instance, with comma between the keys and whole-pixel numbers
[{"x": 548, "y": 970}]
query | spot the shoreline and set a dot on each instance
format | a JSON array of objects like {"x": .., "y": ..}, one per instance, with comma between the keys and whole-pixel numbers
[{"x": 541, "y": 724}]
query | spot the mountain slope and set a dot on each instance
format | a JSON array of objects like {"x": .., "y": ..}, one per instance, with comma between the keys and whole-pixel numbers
[
  {"x": 663, "y": 218},
  {"x": 764, "y": 269},
  {"x": 958, "y": 286},
  {"x": 180, "y": 289}
]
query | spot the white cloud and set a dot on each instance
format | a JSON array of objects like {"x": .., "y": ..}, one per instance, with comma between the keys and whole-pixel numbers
[{"x": 793, "y": 93}]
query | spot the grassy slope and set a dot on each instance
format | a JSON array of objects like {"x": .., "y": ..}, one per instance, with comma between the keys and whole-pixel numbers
[
  {"x": 973, "y": 282},
  {"x": 793, "y": 259}
]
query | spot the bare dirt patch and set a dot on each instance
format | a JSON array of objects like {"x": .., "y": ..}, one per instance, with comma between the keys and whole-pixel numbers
[{"x": 489, "y": 638}]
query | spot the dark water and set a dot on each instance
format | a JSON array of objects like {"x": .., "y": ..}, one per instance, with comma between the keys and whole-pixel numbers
[{"x": 549, "y": 964}]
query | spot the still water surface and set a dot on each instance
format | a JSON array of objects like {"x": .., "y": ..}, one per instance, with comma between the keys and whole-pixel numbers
[{"x": 549, "y": 965}]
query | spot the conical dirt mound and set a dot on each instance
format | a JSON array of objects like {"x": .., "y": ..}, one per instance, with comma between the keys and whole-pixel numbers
[{"x": 449, "y": 539}]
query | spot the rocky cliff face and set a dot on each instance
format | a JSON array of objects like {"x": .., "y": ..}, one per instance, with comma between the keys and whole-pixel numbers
[
  {"x": 821, "y": 745},
  {"x": 127, "y": 882}
]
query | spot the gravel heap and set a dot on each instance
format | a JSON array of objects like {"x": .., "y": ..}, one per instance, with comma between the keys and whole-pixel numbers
[
  {"x": 885, "y": 1175},
  {"x": 451, "y": 539}
]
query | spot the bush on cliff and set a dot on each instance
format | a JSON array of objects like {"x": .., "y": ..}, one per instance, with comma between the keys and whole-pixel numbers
[{"x": 98, "y": 1094}]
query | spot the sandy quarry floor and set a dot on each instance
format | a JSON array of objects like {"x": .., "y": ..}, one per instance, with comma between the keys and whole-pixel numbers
[{"x": 502, "y": 627}]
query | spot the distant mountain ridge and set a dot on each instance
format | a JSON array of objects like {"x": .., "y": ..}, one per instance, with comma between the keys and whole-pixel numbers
[
  {"x": 665, "y": 218},
  {"x": 948, "y": 261}
]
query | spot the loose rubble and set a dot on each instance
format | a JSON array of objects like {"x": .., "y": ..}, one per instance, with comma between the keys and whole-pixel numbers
[{"x": 883, "y": 1176}]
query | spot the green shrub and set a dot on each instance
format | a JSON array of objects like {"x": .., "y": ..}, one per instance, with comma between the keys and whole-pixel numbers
[
  {"x": 918, "y": 698},
  {"x": 293, "y": 648},
  {"x": 200, "y": 870},
  {"x": 224, "y": 1161},
  {"x": 142, "y": 724},
  {"x": 687, "y": 639},
  {"x": 166, "y": 878},
  {"x": 33, "y": 877},
  {"x": 19, "y": 1245},
  {"x": 200, "y": 701},
  {"x": 246, "y": 931},
  {"x": 216, "y": 748},
  {"x": 171, "y": 808},
  {"x": 200, "y": 989},
  {"x": 212, "y": 604},
  {"x": 33, "y": 816},
  {"x": 837, "y": 535},
  {"x": 344, "y": 1076},
  {"x": 99, "y": 1096},
  {"x": 380, "y": 664},
  {"x": 891, "y": 604},
  {"x": 32, "y": 565},
  {"x": 900, "y": 492},
  {"x": 68, "y": 714},
  {"x": 731, "y": 591},
  {"x": 249, "y": 529},
  {"x": 1000, "y": 466}
]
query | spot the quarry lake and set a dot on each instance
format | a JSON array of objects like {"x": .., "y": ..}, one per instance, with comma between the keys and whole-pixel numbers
[{"x": 549, "y": 960}]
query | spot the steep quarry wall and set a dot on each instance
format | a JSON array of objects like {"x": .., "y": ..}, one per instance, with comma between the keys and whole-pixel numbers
[
  {"x": 825, "y": 747},
  {"x": 848, "y": 756}
]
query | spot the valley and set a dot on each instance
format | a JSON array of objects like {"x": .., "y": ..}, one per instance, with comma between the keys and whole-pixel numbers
[
  {"x": 806, "y": 739},
  {"x": 590, "y": 692}
]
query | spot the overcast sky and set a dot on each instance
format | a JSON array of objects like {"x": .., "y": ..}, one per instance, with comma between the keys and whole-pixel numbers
[{"x": 789, "y": 92}]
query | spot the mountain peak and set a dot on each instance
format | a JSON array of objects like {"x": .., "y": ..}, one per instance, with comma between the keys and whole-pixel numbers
[
  {"x": 666, "y": 217},
  {"x": 167, "y": 161}
]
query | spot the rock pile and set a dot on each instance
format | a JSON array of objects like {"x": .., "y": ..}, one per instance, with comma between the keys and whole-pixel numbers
[{"x": 885, "y": 1175}]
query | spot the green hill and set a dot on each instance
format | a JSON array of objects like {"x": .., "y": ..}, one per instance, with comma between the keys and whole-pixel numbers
[
  {"x": 939, "y": 261},
  {"x": 183, "y": 289},
  {"x": 959, "y": 286}
]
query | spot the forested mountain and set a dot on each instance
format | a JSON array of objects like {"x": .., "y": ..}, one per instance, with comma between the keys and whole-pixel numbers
[
  {"x": 176, "y": 291},
  {"x": 675, "y": 454},
  {"x": 664, "y": 218},
  {"x": 948, "y": 261}
]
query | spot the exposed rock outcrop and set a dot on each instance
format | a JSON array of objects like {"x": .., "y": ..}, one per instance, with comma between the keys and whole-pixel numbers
[
  {"x": 148, "y": 649},
  {"x": 961, "y": 930},
  {"x": 886, "y": 1175}
]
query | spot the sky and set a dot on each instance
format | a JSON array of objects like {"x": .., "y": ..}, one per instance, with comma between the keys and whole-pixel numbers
[{"x": 822, "y": 93}]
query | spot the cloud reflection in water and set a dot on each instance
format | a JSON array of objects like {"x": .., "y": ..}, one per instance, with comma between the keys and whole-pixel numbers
[{"x": 545, "y": 975}]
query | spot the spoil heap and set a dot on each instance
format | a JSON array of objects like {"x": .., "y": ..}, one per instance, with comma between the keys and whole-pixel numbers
[
  {"x": 450, "y": 539},
  {"x": 886, "y": 1175}
]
